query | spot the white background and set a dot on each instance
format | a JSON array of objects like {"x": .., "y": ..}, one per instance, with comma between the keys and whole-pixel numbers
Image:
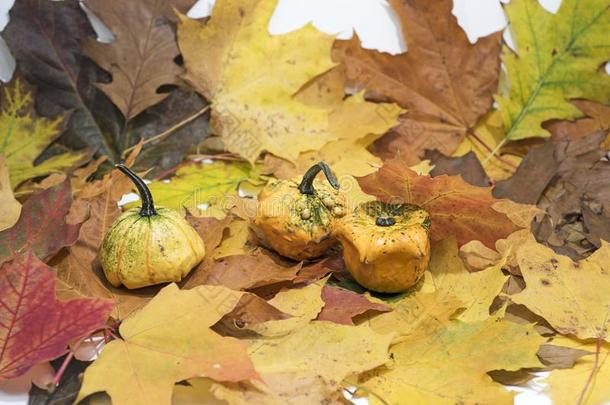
[{"x": 377, "y": 27}]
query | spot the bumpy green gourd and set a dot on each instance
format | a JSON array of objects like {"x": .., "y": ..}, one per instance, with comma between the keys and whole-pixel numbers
[
  {"x": 149, "y": 245},
  {"x": 294, "y": 217}
]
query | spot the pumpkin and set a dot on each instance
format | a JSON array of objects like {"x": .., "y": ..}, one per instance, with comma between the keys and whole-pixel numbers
[
  {"x": 386, "y": 247},
  {"x": 149, "y": 245},
  {"x": 294, "y": 217}
]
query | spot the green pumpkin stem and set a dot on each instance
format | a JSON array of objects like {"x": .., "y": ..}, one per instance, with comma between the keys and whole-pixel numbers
[
  {"x": 148, "y": 206},
  {"x": 306, "y": 186}
]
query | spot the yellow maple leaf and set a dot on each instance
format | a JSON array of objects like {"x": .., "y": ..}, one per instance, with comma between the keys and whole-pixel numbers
[
  {"x": 558, "y": 59},
  {"x": 167, "y": 341},
  {"x": 307, "y": 366},
  {"x": 24, "y": 136},
  {"x": 585, "y": 383},
  {"x": 450, "y": 365},
  {"x": 572, "y": 297},
  {"x": 10, "y": 209},
  {"x": 416, "y": 315},
  {"x": 303, "y": 304},
  {"x": 235, "y": 243},
  {"x": 252, "y": 77},
  {"x": 476, "y": 290}
]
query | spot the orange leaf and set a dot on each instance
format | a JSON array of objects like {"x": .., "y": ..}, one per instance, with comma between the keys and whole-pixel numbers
[
  {"x": 445, "y": 82},
  {"x": 455, "y": 206}
]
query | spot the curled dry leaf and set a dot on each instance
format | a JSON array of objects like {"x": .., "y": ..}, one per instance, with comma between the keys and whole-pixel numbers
[
  {"x": 34, "y": 326},
  {"x": 455, "y": 207},
  {"x": 570, "y": 180},
  {"x": 445, "y": 82},
  {"x": 167, "y": 341},
  {"x": 42, "y": 227}
]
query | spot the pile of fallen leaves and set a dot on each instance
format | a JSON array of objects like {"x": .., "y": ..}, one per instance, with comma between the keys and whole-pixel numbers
[{"x": 518, "y": 191}]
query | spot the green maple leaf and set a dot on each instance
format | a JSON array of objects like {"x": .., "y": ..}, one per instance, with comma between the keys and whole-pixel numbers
[
  {"x": 559, "y": 58},
  {"x": 23, "y": 137}
]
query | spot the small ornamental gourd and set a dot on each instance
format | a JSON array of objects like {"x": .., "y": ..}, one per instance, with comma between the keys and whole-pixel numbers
[
  {"x": 149, "y": 245},
  {"x": 386, "y": 247},
  {"x": 294, "y": 218}
]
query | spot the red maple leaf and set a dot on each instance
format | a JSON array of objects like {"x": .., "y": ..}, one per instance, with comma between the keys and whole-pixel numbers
[
  {"x": 34, "y": 326},
  {"x": 42, "y": 226},
  {"x": 455, "y": 206},
  {"x": 340, "y": 305}
]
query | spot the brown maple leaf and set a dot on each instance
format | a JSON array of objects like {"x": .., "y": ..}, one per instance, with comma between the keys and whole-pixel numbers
[{"x": 445, "y": 83}]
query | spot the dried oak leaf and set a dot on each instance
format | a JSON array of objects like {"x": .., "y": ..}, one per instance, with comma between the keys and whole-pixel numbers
[
  {"x": 141, "y": 58},
  {"x": 182, "y": 106},
  {"x": 571, "y": 296},
  {"x": 24, "y": 137},
  {"x": 571, "y": 181},
  {"x": 597, "y": 118},
  {"x": 557, "y": 59},
  {"x": 45, "y": 39},
  {"x": 455, "y": 207},
  {"x": 259, "y": 112},
  {"x": 450, "y": 365},
  {"x": 167, "y": 341},
  {"x": 34, "y": 326},
  {"x": 42, "y": 227},
  {"x": 445, "y": 82},
  {"x": 341, "y": 306}
]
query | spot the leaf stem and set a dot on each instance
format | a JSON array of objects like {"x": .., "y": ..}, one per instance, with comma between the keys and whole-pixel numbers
[
  {"x": 598, "y": 346},
  {"x": 173, "y": 128},
  {"x": 484, "y": 144}
]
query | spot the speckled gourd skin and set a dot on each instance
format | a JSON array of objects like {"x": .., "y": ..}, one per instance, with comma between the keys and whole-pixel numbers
[
  {"x": 279, "y": 223},
  {"x": 385, "y": 259},
  {"x": 139, "y": 251}
]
